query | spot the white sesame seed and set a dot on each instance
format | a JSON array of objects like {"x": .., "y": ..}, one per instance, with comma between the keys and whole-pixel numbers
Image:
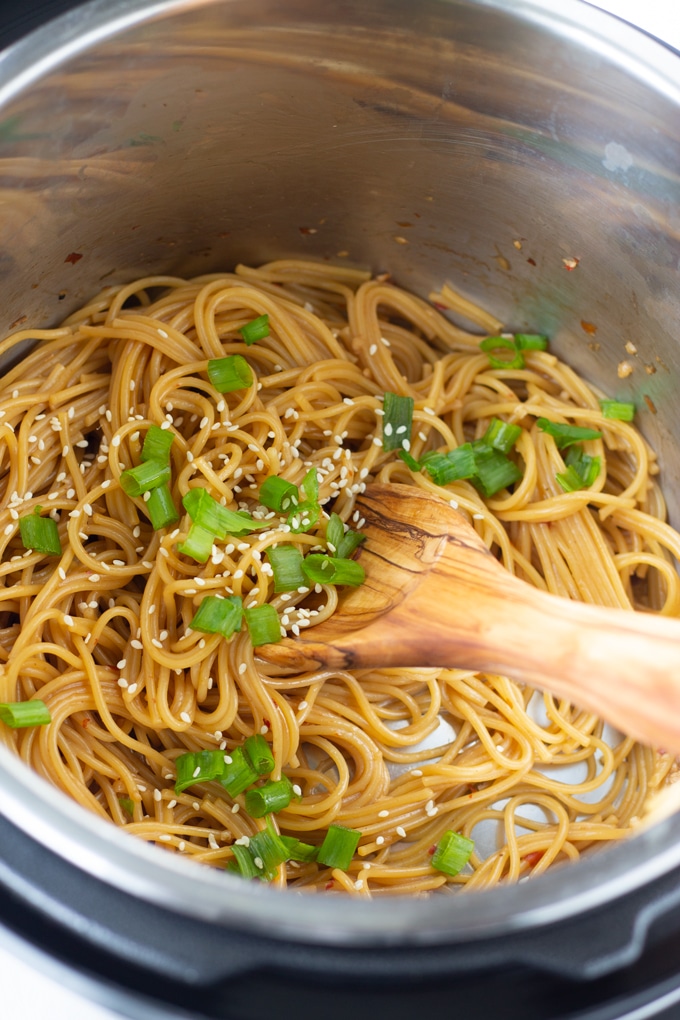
[
  {"x": 383, "y": 814},
  {"x": 417, "y": 773},
  {"x": 302, "y": 706},
  {"x": 156, "y": 643},
  {"x": 157, "y": 795},
  {"x": 132, "y": 688},
  {"x": 235, "y": 809},
  {"x": 400, "y": 831},
  {"x": 9, "y": 529},
  {"x": 68, "y": 620},
  {"x": 379, "y": 840},
  {"x": 121, "y": 664},
  {"x": 122, "y": 682},
  {"x": 136, "y": 644},
  {"x": 377, "y": 441},
  {"x": 185, "y": 717}
]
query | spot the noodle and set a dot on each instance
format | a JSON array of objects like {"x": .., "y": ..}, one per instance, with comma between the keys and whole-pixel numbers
[{"x": 102, "y": 635}]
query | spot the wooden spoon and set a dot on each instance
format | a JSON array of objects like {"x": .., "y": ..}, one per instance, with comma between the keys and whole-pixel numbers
[{"x": 435, "y": 596}]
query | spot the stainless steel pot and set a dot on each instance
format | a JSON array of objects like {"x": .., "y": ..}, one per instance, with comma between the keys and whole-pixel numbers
[{"x": 527, "y": 151}]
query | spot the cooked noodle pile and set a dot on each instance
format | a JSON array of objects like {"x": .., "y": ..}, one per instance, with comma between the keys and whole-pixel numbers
[{"x": 102, "y": 633}]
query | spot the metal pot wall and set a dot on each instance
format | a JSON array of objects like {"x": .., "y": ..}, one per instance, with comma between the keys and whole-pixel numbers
[{"x": 526, "y": 151}]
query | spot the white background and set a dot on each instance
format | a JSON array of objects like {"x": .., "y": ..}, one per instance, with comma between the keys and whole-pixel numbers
[{"x": 28, "y": 994}]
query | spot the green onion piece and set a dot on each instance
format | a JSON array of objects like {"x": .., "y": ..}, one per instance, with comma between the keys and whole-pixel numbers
[
  {"x": 565, "y": 435},
  {"x": 299, "y": 851},
  {"x": 238, "y": 774},
  {"x": 198, "y": 767},
  {"x": 268, "y": 850},
  {"x": 40, "y": 533},
  {"x": 531, "y": 342},
  {"x": 452, "y": 466},
  {"x": 308, "y": 511},
  {"x": 322, "y": 569},
  {"x": 501, "y": 435},
  {"x": 350, "y": 541},
  {"x": 243, "y": 863},
  {"x": 497, "y": 343},
  {"x": 157, "y": 443},
  {"x": 270, "y": 798},
  {"x": 582, "y": 470},
  {"x": 229, "y": 374},
  {"x": 397, "y": 422},
  {"x": 409, "y": 461},
  {"x": 217, "y": 615},
  {"x": 494, "y": 472},
  {"x": 128, "y": 805},
  {"x": 335, "y": 531},
  {"x": 161, "y": 507},
  {"x": 20, "y": 714},
  {"x": 259, "y": 753},
  {"x": 278, "y": 494},
  {"x": 263, "y": 624},
  {"x": 286, "y": 562},
  {"x": 198, "y": 543},
  {"x": 617, "y": 409},
  {"x": 338, "y": 847},
  {"x": 256, "y": 329},
  {"x": 144, "y": 477},
  {"x": 452, "y": 853},
  {"x": 205, "y": 511}
]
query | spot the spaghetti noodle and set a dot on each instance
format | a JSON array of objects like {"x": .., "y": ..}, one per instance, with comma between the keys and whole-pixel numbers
[{"x": 102, "y": 635}]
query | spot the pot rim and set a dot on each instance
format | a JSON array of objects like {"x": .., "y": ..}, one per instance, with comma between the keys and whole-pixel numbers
[{"x": 103, "y": 851}]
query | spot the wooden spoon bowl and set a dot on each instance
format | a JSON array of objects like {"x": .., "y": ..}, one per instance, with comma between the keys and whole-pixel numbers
[{"x": 435, "y": 596}]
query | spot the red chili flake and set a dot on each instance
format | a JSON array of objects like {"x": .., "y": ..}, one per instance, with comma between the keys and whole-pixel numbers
[
  {"x": 439, "y": 307},
  {"x": 650, "y": 404},
  {"x": 266, "y": 722},
  {"x": 571, "y": 263},
  {"x": 308, "y": 230},
  {"x": 588, "y": 327},
  {"x": 85, "y": 723},
  {"x": 17, "y": 322},
  {"x": 532, "y": 262},
  {"x": 432, "y": 849},
  {"x": 533, "y": 858},
  {"x": 74, "y": 257},
  {"x": 329, "y": 885}
]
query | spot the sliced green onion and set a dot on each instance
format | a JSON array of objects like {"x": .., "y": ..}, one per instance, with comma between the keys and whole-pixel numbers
[
  {"x": 157, "y": 443},
  {"x": 565, "y": 435},
  {"x": 40, "y": 533},
  {"x": 161, "y": 508},
  {"x": 452, "y": 466},
  {"x": 256, "y": 329},
  {"x": 259, "y": 753},
  {"x": 128, "y": 805},
  {"x": 270, "y": 798},
  {"x": 582, "y": 470},
  {"x": 238, "y": 774},
  {"x": 531, "y": 342},
  {"x": 308, "y": 511},
  {"x": 322, "y": 569},
  {"x": 20, "y": 714},
  {"x": 229, "y": 374},
  {"x": 452, "y": 853},
  {"x": 198, "y": 767},
  {"x": 243, "y": 863},
  {"x": 144, "y": 477},
  {"x": 299, "y": 851},
  {"x": 217, "y": 615},
  {"x": 338, "y": 847},
  {"x": 335, "y": 531},
  {"x": 210, "y": 515},
  {"x": 409, "y": 461},
  {"x": 497, "y": 343},
  {"x": 198, "y": 543},
  {"x": 397, "y": 422},
  {"x": 349, "y": 543},
  {"x": 278, "y": 494},
  {"x": 494, "y": 472},
  {"x": 617, "y": 409},
  {"x": 268, "y": 850},
  {"x": 286, "y": 563},
  {"x": 263, "y": 624},
  {"x": 501, "y": 435}
]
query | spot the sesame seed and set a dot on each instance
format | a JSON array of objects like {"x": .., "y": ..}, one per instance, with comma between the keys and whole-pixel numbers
[
  {"x": 157, "y": 795},
  {"x": 165, "y": 837},
  {"x": 417, "y": 773},
  {"x": 156, "y": 643},
  {"x": 161, "y": 332},
  {"x": 122, "y": 682},
  {"x": 132, "y": 688},
  {"x": 377, "y": 441},
  {"x": 383, "y": 814},
  {"x": 64, "y": 451},
  {"x": 185, "y": 717},
  {"x": 373, "y": 349},
  {"x": 302, "y": 706},
  {"x": 477, "y": 517},
  {"x": 115, "y": 441},
  {"x": 9, "y": 529},
  {"x": 297, "y": 790},
  {"x": 121, "y": 664},
  {"x": 136, "y": 644},
  {"x": 68, "y": 620},
  {"x": 379, "y": 840},
  {"x": 235, "y": 809},
  {"x": 400, "y": 831}
]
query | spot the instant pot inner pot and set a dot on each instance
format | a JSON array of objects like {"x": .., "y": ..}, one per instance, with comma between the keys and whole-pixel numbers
[{"x": 525, "y": 153}]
